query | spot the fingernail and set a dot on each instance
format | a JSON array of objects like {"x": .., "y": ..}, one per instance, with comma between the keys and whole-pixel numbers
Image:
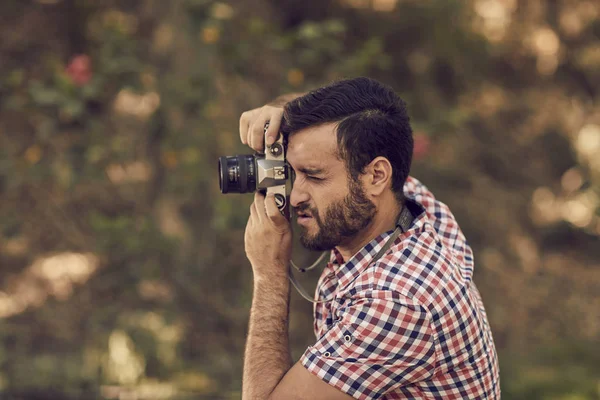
[{"x": 270, "y": 140}]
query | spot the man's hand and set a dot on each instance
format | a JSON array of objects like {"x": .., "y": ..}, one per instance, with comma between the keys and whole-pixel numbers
[
  {"x": 252, "y": 123},
  {"x": 252, "y": 126},
  {"x": 268, "y": 239}
]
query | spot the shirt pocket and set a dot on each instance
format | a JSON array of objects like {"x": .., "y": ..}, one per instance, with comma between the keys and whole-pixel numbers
[{"x": 380, "y": 332}]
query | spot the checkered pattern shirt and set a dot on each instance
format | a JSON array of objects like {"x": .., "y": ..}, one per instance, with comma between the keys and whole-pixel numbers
[{"x": 410, "y": 325}]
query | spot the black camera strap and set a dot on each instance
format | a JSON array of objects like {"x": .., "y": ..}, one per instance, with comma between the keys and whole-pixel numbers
[{"x": 405, "y": 220}]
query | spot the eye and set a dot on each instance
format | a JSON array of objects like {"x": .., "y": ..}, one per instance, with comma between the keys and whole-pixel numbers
[{"x": 313, "y": 178}]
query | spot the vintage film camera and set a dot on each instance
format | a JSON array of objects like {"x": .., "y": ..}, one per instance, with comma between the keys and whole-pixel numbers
[{"x": 267, "y": 172}]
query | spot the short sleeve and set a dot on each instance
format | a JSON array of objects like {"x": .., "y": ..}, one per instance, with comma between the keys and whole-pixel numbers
[{"x": 374, "y": 347}]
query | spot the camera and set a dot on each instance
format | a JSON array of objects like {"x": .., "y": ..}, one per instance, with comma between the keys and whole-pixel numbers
[{"x": 268, "y": 173}]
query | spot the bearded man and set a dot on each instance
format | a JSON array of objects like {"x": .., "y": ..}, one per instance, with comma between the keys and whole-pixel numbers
[{"x": 399, "y": 316}]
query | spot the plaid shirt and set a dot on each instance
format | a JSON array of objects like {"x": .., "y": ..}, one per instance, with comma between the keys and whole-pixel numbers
[{"x": 410, "y": 326}]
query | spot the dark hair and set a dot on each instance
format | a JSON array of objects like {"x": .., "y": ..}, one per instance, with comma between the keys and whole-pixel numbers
[{"x": 372, "y": 122}]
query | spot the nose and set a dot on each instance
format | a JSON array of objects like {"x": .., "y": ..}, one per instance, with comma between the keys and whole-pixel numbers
[{"x": 298, "y": 195}]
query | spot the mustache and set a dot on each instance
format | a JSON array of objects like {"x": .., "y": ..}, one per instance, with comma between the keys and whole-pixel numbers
[
  {"x": 307, "y": 209},
  {"x": 302, "y": 208}
]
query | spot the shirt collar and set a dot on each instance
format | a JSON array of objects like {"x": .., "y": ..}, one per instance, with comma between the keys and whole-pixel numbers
[{"x": 346, "y": 272}]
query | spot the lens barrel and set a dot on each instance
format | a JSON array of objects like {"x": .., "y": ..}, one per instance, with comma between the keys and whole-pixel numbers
[{"x": 237, "y": 174}]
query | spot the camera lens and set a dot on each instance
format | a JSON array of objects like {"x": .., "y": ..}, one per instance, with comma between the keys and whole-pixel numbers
[{"x": 237, "y": 174}]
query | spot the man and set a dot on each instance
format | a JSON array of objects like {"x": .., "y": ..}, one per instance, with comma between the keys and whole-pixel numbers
[{"x": 405, "y": 322}]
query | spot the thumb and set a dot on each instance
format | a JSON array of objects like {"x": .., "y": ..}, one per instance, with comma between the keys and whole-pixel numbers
[{"x": 275, "y": 216}]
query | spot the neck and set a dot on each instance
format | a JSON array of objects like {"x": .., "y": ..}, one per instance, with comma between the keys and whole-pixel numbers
[{"x": 385, "y": 220}]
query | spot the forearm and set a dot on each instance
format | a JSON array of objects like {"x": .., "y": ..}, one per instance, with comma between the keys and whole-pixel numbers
[{"x": 267, "y": 356}]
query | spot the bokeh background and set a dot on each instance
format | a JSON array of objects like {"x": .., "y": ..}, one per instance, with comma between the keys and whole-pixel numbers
[{"x": 123, "y": 273}]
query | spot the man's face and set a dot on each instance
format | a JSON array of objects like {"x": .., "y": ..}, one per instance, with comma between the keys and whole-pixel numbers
[{"x": 330, "y": 207}]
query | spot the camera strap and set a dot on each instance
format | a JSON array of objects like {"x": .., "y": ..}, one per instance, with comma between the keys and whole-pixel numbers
[{"x": 403, "y": 224}]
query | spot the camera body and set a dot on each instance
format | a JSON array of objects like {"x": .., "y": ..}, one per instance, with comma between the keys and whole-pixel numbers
[{"x": 268, "y": 173}]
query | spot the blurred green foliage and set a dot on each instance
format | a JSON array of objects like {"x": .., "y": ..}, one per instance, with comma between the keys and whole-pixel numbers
[{"x": 123, "y": 267}]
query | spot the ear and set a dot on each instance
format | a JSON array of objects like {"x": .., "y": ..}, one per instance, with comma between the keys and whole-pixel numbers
[{"x": 377, "y": 177}]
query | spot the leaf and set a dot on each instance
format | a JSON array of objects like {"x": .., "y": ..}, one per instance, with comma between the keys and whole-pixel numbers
[{"x": 44, "y": 96}]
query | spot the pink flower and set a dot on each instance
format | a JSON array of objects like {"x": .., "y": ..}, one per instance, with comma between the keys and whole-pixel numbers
[
  {"x": 80, "y": 69},
  {"x": 422, "y": 145}
]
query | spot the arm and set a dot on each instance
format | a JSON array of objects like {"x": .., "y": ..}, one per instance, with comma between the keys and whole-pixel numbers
[
  {"x": 267, "y": 358},
  {"x": 268, "y": 371}
]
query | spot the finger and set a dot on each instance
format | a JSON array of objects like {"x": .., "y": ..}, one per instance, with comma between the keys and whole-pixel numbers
[
  {"x": 249, "y": 135},
  {"x": 259, "y": 201},
  {"x": 246, "y": 121},
  {"x": 274, "y": 125},
  {"x": 249, "y": 224},
  {"x": 275, "y": 216},
  {"x": 257, "y": 132},
  {"x": 256, "y": 142},
  {"x": 253, "y": 212},
  {"x": 244, "y": 125}
]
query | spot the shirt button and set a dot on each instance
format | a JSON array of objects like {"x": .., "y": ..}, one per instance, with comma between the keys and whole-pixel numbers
[
  {"x": 347, "y": 338},
  {"x": 327, "y": 354}
]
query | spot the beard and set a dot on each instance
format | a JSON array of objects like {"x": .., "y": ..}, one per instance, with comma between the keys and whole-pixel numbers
[{"x": 342, "y": 220}]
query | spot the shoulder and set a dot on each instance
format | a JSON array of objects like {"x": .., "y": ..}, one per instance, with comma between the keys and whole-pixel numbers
[{"x": 416, "y": 269}]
